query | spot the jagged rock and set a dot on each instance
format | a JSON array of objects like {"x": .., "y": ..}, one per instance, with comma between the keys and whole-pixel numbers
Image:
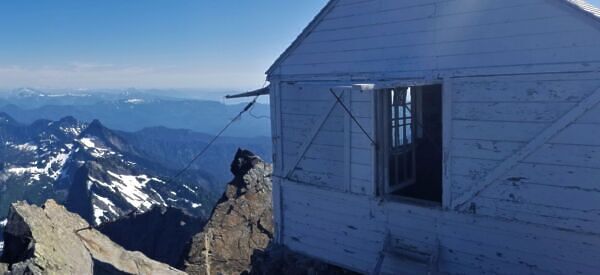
[
  {"x": 34, "y": 233},
  {"x": 51, "y": 240},
  {"x": 27, "y": 267},
  {"x": 241, "y": 222}
]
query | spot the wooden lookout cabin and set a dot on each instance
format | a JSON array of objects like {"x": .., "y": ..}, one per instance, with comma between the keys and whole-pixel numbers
[{"x": 441, "y": 136}]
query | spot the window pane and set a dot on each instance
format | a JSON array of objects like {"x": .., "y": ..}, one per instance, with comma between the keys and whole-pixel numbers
[{"x": 401, "y": 117}]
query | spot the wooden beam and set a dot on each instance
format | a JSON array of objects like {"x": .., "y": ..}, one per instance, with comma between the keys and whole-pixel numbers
[
  {"x": 259, "y": 92},
  {"x": 447, "y": 90},
  {"x": 508, "y": 164},
  {"x": 311, "y": 137},
  {"x": 348, "y": 145},
  {"x": 275, "y": 99}
]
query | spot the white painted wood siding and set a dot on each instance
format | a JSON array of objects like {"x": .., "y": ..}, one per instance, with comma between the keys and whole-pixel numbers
[
  {"x": 338, "y": 145},
  {"x": 349, "y": 230},
  {"x": 558, "y": 183},
  {"x": 541, "y": 217},
  {"x": 385, "y": 36}
]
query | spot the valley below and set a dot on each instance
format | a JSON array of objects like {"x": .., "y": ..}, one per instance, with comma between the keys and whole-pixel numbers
[{"x": 103, "y": 174}]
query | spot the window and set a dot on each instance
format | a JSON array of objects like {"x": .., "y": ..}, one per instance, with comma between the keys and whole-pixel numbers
[
  {"x": 402, "y": 151},
  {"x": 410, "y": 131}
]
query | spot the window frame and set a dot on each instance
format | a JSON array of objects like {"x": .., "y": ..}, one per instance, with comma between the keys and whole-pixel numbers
[
  {"x": 405, "y": 151},
  {"x": 381, "y": 156}
]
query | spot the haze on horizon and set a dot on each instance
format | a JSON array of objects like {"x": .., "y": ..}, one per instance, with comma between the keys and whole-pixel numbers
[{"x": 115, "y": 44}]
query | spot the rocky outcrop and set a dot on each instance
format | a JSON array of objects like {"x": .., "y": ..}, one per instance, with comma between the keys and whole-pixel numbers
[
  {"x": 51, "y": 240},
  {"x": 240, "y": 224},
  {"x": 161, "y": 233}
]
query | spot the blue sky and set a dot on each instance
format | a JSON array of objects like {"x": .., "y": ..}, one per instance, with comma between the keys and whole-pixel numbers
[
  {"x": 150, "y": 43},
  {"x": 209, "y": 44}
]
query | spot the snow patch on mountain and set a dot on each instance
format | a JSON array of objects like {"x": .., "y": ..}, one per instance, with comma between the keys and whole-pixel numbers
[
  {"x": 94, "y": 148},
  {"x": 87, "y": 142},
  {"x": 188, "y": 188},
  {"x": 92, "y": 180},
  {"x": 98, "y": 214},
  {"x": 2, "y": 225},
  {"x": 75, "y": 131},
  {"x": 147, "y": 179},
  {"x": 132, "y": 189},
  {"x": 52, "y": 169},
  {"x": 101, "y": 209},
  {"x": 134, "y": 101},
  {"x": 25, "y": 147}
]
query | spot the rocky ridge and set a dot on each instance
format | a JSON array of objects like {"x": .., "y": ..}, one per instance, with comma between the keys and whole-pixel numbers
[{"x": 51, "y": 240}]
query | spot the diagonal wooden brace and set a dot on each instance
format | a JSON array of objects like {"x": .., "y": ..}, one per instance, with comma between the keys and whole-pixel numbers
[{"x": 586, "y": 104}]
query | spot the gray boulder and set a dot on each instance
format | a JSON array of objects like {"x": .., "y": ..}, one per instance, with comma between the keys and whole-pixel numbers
[{"x": 51, "y": 240}]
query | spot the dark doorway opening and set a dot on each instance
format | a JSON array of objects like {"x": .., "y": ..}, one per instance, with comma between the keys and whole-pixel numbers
[{"x": 415, "y": 142}]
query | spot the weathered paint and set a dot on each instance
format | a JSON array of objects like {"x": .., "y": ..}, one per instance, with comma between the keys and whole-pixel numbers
[{"x": 521, "y": 149}]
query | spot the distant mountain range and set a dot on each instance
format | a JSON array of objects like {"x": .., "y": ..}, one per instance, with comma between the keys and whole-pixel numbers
[
  {"x": 103, "y": 174},
  {"x": 133, "y": 110}
]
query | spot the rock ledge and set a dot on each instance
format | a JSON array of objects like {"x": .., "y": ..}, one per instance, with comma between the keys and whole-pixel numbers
[{"x": 51, "y": 240}]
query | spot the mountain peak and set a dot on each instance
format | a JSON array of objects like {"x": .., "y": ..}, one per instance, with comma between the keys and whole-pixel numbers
[
  {"x": 70, "y": 126},
  {"x": 95, "y": 128},
  {"x": 109, "y": 138},
  {"x": 28, "y": 92},
  {"x": 99, "y": 132},
  {"x": 96, "y": 123}
]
